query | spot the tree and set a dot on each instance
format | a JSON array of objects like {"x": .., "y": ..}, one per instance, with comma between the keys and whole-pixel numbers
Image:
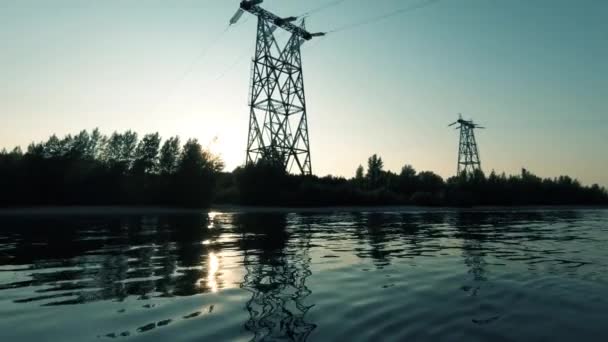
[
  {"x": 79, "y": 145},
  {"x": 53, "y": 147},
  {"x": 112, "y": 150},
  {"x": 96, "y": 145},
  {"x": 262, "y": 182},
  {"x": 169, "y": 156},
  {"x": 16, "y": 152},
  {"x": 196, "y": 174},
  {"x": 35, "y": 150},
  {"x": 359, "y": 173},
  {"x": 119, "y": 151},
  {"x": 407, "y": 171},
  {"x": 375, "y": 167},
  {"x": 429, "y": 181},
  {"x": 194, "y": 159},
  {"x": 407, "y": 180},
  {"x": 129, "y": 145},
  {"x": 146, "y": 155}
]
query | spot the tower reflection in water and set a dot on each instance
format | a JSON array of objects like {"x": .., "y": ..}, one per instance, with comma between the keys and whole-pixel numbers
[{"x": 277, "y": 264}]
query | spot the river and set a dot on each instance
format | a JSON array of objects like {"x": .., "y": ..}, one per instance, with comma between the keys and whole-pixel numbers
[{"x": 347, "y": 274}]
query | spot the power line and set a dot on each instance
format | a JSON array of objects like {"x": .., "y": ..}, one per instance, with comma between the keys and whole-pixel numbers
[
  {"x": 320, "y": 8},
  {"x": 241, "y": 57},
  {"x": 375, "y": 19},
  {"x": 199, "y": 57},
  {"x": 236, "y": 62}
]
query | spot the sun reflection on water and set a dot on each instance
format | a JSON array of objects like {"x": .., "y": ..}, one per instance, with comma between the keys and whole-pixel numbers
[
  {"x": 211, "y": 215},
  {"x": 214, "y": 267}
]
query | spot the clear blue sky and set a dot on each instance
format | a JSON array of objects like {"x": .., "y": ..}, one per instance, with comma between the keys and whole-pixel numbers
[{"x": 534, "y": 72}]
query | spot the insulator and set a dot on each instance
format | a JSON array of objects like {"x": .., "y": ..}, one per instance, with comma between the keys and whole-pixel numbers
[{"x": 236, "y": 16}]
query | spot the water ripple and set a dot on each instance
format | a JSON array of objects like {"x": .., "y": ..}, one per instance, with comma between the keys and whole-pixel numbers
[{"x": 351, "y": 275}]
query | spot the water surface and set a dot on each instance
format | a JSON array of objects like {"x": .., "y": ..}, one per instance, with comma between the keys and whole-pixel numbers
[{"x": 345, "y": 275}]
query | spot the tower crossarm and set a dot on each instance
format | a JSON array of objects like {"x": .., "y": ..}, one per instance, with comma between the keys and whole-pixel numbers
[{"x": 252, "y": 6}]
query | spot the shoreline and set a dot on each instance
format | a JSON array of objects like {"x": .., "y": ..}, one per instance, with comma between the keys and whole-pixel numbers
[{"x": 151, "y": 210}]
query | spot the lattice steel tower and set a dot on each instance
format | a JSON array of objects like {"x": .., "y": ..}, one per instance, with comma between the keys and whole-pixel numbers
[
  {"x": 278, "y": 126},
  {"x": 468, "y": 153}
]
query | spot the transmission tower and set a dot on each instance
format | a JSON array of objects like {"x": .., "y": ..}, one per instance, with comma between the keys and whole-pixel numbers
[
  {"x": 278, "y": 126},
  {"x": 468, "y": 154}
]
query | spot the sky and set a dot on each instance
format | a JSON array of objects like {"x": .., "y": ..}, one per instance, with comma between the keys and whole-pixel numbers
[{"x": 534, "y": 72}]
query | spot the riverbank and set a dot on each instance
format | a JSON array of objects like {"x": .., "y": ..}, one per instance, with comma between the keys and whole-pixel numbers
[
  {"x": 96, "y": 210},
  {"x": 138, "y": 210}
]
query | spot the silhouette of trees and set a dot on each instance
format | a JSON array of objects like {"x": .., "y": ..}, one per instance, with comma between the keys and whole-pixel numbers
[
  {"x": 262, "y": 183},
  {"x": 195, "y": 175},
  {"x": 119, "y": 151},
  {"x": 375, "y": 171},
  {"x": 169, "y": 156},
  {"x": 428, "y": 181},
  {"x": 359, "y": 173},
  {"x": 93, "y": 169},
  {"x": 407, "y": 180},
  {"x": 359, "y": 179},
  {"x": 523, "y": 189},
  {"x": 146, "y": 155},
  {"x": 265, "y": 184}
]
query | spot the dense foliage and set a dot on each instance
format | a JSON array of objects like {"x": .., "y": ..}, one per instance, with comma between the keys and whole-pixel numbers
[
  {"x": 265, "y": 184},
  {"x": 94, "y": 169},
  {"x": 120, "y": 169}
]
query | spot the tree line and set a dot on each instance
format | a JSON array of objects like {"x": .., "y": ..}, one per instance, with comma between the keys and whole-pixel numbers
[
  {"x": 267, "y": 184},
  {"x": 90, "y": 168}
]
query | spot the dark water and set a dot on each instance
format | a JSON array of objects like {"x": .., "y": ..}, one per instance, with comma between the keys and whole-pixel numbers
[{"x": 534, "y": 275}]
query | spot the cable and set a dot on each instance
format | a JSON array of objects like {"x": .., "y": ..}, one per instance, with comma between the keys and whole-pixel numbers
[
  {"x": 372, "y": 20},
  {"x": 201, "y": 55},
  {"x": 220, "y": 36},
  {"x": 241, "y": 57},
  {"x": 320, "y": 8},
  {"x": 237, "y": 61}
]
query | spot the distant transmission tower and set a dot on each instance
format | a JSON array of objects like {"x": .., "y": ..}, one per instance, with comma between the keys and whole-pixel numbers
[
  {"x": 468, "y": 154},
  {"x": 278, "y": 126}
]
